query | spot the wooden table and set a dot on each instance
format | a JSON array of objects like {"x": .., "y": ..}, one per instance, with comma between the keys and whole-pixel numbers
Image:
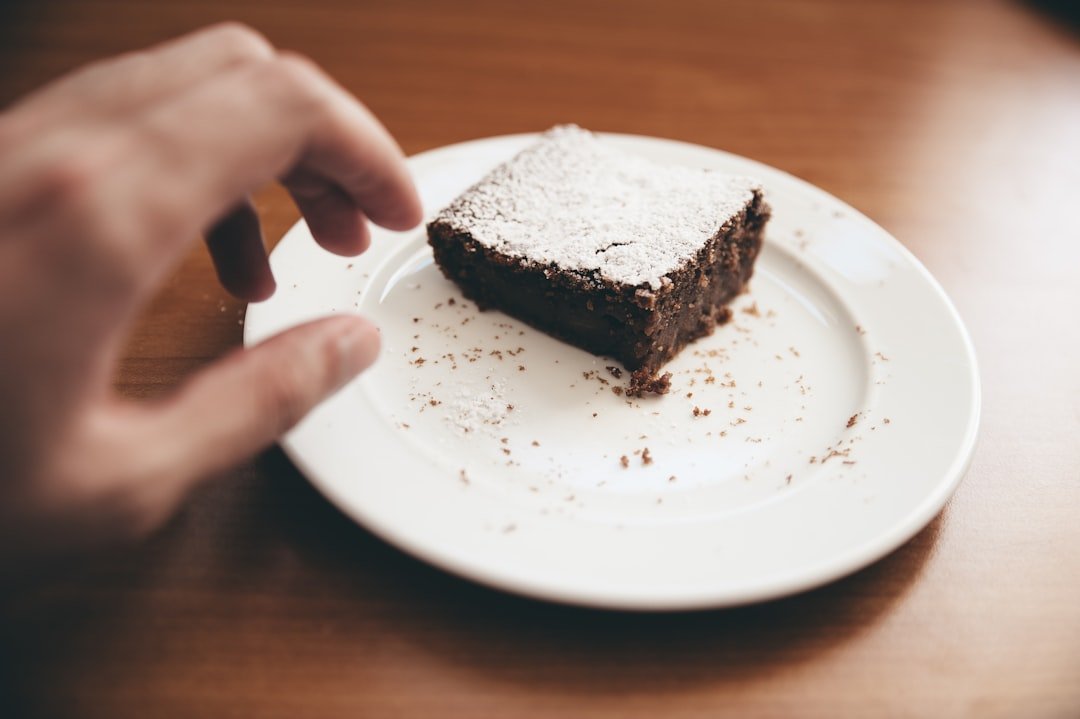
[{"x": 956, "y": 125}]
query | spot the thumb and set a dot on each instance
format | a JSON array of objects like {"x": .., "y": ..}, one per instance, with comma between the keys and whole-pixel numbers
[{"x": 245, "y": 401}]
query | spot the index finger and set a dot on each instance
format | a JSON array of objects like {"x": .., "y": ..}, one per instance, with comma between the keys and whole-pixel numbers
[{"x": 202, "y": 151}]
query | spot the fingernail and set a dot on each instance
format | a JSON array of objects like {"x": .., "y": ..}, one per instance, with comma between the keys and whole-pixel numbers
[{"x": 359, "y": 346}]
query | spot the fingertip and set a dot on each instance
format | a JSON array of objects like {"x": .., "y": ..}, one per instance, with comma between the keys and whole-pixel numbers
[
  {"x": 236, "y": 248},
  {"x": 410, "y": 215},
  {"x": 333, "y": 219},
  {"x": 401, "y": 211},
  {"x": 262, "y": 290},
  {"x": 345, "y": 235}
]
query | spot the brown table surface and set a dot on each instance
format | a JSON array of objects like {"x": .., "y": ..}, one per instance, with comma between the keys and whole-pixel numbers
[{"x": 956, "y": 125}]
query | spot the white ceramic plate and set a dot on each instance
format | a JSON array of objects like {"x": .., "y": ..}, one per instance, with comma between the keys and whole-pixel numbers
[{"x": 834, "y": 415}]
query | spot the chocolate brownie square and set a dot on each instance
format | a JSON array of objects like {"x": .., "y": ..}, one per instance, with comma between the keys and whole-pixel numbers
[{"x": 606, "y": 250}]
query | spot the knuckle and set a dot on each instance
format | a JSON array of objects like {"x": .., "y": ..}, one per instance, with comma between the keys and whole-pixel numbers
[
  {"x": 242, "y": 40},
  {"x": 71, "y": 180},
  {"x": 299, "y": 67},
  {"x": 96, "y": 244},
  {"x": 300, "y": 77}
]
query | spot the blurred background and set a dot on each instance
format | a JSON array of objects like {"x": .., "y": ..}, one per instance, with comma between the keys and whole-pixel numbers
[{"x": 863, "y": 97}]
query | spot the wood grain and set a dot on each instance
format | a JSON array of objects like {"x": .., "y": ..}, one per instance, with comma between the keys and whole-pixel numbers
[{"x": 956, "y": 125}]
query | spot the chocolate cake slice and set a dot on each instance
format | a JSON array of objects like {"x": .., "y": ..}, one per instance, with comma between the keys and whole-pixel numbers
[{"x": 605, "y": 250}]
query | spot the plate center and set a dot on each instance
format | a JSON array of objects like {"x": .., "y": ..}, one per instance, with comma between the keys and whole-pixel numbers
[{"x": 754, "y": 410}]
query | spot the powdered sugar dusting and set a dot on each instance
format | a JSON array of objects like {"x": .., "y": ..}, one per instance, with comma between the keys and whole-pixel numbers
[
  {"x": 572, "y": 201},
  {"x": 483, "y": 412}
]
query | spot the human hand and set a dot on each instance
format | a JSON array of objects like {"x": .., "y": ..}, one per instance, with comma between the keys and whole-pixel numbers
[{"x": 107, "y": 175}]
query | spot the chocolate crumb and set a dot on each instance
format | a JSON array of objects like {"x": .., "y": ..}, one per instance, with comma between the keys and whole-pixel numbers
[
  {"x": 835, "y": 453},
  {"x": 535, "y": 443},
  {"x": 624, "y": 461},
  {"x": 617, "y": 390},
  {"x": 852, "y": 420},
  {"x": 752, "y": 310},
  {"x": 463, "y": 477},
  {"x": 641, "y": 384},
  {"x": 646, "y": 458},
  {"x": 615, "y": 371},
  {"x": 787, "y": 479},
  {"x": 671, "y": 478}
]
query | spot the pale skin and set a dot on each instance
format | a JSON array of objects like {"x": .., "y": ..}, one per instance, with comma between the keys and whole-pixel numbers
[{"x": 108, "y": 175}]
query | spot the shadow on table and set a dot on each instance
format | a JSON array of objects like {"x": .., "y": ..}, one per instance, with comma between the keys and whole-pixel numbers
[{"x": 472, "y": 628}]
